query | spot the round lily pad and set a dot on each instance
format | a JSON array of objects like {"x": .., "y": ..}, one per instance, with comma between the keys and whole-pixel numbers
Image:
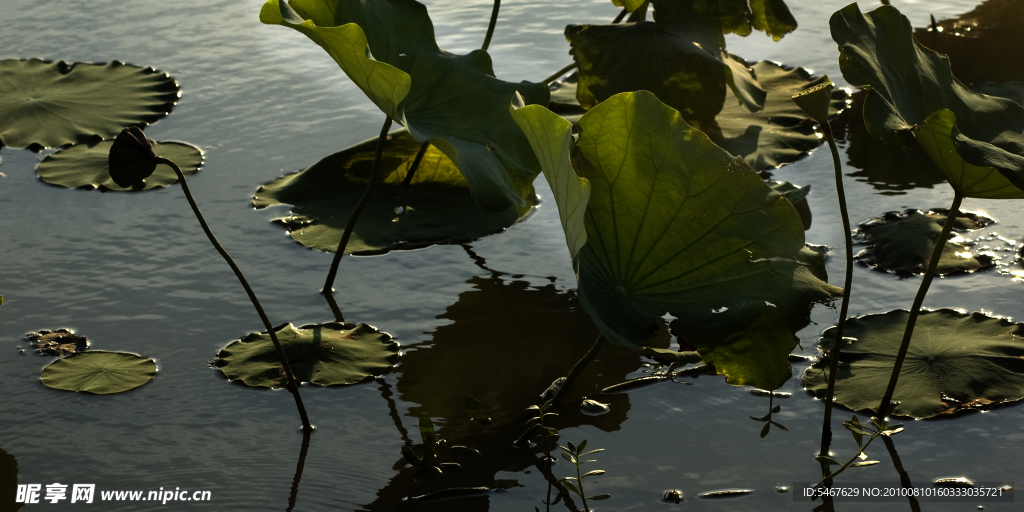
[
  {"x": 902, "y": 242},
  {"x": 85, "y": 166},
  {"x": 50, "y": 104},
  {"x": 956, "y": 361},
  {"x": 99, "y": 372},
  {"x": 434, "y": 207},
  {"x": 324, "y": 354}
]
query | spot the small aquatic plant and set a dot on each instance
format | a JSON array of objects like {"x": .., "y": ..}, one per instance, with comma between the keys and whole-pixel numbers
[
  {"x": 131, "y": 161},
  {"x": 574, "y": 454}
]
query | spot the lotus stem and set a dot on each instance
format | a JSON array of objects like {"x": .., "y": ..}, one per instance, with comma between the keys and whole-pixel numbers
[
  {"x": 293, "y": 384},
  {"x": 329, "y": 285},
  {"x": 833, "y": 355},
  {"x": 415, "y": 164},
  {"x": 577, "y": 369},
  {"x": 490, "y": 27},
  {"x": 885, "y": 406},
  {"x": 620, "y": 16},
  {"x": 333, "y": 304}
]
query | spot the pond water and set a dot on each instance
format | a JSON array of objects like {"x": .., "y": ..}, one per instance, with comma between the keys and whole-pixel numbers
[{"x": 133, "y": 272}]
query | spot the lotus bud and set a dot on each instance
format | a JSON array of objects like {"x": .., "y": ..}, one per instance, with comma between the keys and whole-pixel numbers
[
  {"x": 131, "y": 158},
  {"x": 815, "y": 100}
]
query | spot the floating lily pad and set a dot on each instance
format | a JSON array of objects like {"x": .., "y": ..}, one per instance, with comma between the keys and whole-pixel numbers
[
  {"x": 453, "y": 101},
  {"x": 774, "y": 136},
  {"x": 902, "y": 243},
  {"x": 977, "y": 140},
  {"x": 62, "y": 342},
  {"x": 956, "y": 361},
  {"x": 435, "y": 207},
  {"x": 706, "y": 240},
  {"x": 85, "y": 166},
  {"x": 53, "y": 103},
  {"x": 99, "y": 372},
  {"x": 325, "y": 354}
]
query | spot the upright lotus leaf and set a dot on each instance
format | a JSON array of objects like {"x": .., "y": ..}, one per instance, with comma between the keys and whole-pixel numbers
[
  {"x": 435, "y": 207},
  {"x": 387, "y": 48},
  {"x": 99, "y": 372},
  {"x": 956, "y": 361},
  {"x": 1013, "y": 91},
  {"x": 909, "y": 84},
  {"x": 774, "y": 136},
  {"x": 54, "y": 103},
  {"x": 325, "y": 354},
  {"x": 685, "y": 65},
  {"x": 902, "y": 243},
  {"x": 675, "y": 224},
  {"x": 982, "y": 44},
  {"x": 85, "y": 166},
  {"x": 629, "y": 5}
]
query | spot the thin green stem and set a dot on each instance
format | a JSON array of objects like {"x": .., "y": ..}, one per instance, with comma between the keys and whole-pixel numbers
[
  {"x": 849, "y": 462},
  {"x": 415, "y": 164},
  {"x": 329, "y": 285},
  {"x": 833, "y": 355},
  {"x": 885, "y": 406},
  {"x": 579, "y": 482},
  {"x": 558, "y": 74},
  {"x": 293, "y": 384},
  {"x": 490, "y": 27},
  {"x": 577, "y": 369}
]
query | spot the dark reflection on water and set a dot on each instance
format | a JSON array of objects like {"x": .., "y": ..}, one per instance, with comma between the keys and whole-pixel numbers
[
  {"x": 508, "y": 341},
  {"x": 889, "y": 171},
  {"x": 983, "y": 45},
  {"x": 8, "y": 481}
]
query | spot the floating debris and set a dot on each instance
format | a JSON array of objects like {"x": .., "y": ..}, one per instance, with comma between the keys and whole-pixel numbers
[
  {"x": 593, "y": 407},
  {"x": 673, "y": 495},
  {"x": 447, "y": 494},
  {"x": 781, "y": 489},
  {"x": 725, "y": 493},
  {"x": 62, "y": 342},
  {"x": 958, "y": 481},
  {"x": 632, "y": 384},
  {"x": 465, "y": 450}
]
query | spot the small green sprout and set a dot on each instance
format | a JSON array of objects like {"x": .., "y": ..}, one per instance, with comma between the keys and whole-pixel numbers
[
  {"x": 427, "y": 462},
  {"x": 574, "y": 455}
]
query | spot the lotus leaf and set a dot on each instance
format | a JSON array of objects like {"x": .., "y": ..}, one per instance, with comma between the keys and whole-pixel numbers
[
  {"x": 435, "y": 207},
  {"x": 902, "y": 243},
  {"x": 982, "y": 43},
  {"x": 99, "y": 372},
  {"x": 796, "y": 195},
  {"x": 629, "y": 5},
  {"x": 956, "y": 361},
  {"x": 777, "y": 135},
  {"x": 325, "y": 354},
  {"x": 85, "y": 166},
  {"x": 912, "y": 90},
  {"x": 674, "y": 224},
  {"x": 54, "y": 103},
  {"x": 719, "y": 17},
  {"x": 1013, "y": 91},
  {"x": 684, "y": 69},
  {"x": 453, "y": 101}
]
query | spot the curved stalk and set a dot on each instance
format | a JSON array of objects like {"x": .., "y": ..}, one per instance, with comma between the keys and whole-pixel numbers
[
  {"x": 833, "y": 355},
  {"x": 577, "y": 369},
  {"x": 293, "y": 384},
  {"x": 885, "y": 406},
  {"x": 329, "y": 285},
  {"x": 490, "y": 27}
]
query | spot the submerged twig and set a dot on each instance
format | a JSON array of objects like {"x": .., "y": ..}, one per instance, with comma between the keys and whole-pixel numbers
[{"x": 577, "y": 369}]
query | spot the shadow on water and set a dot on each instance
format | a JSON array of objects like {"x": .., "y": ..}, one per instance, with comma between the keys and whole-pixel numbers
[
  {"x": 507, "y": 342},
  {"x": 8, "y": 481}
]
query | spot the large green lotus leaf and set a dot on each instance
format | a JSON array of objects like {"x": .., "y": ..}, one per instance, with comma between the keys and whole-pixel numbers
[
  {"x": 902, "y": 243},
  {"x": 683, "y": 68},
  {"x": 99, "y": 372},
  {"x": 387, "y": 48},
  {"x": 777, "y": 135},
  {"x": 54, "y": 103},
  {"x": 981, "y": 44},
  {"x": 956, "y": 361},
  {"x": 436, "y": 207},
  {"x": 909, "y": 83},
  {"x": 85, "y": 166},
  {"x": 727, "y": 16},
  {"x": 675, "y": 224},
  {"x": 325, "y": 354}
]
